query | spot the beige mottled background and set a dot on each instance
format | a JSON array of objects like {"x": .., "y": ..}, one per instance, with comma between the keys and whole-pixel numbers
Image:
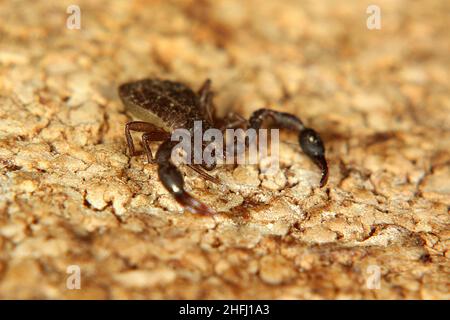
[{"x": 380, "y": 99}]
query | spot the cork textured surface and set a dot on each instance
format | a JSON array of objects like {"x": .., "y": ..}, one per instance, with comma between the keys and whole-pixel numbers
[{"x": 71, "y": 196}]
